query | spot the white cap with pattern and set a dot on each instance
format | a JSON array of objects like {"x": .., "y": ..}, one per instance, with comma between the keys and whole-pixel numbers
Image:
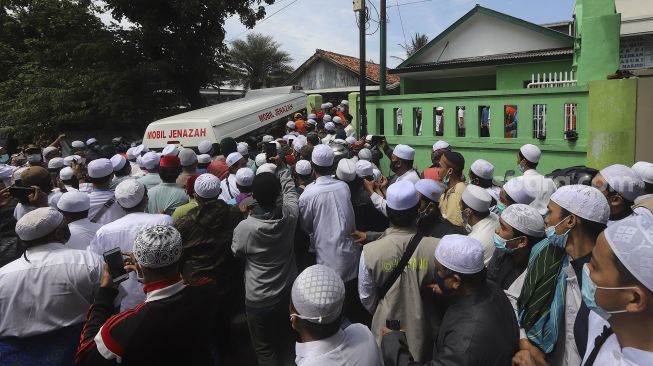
[
  {"x": 631, "y": 240},
  {"x": 74, "y": 202},
  {"x": 517, "y": 191},
  {"x": 233, "y": 158},
  {"x": 245, "y": 177},
  {"x": 524, "y": 218},
  {"x": 583, "y": 201},
  {"x": 322, "y": 155},
  {"x": 55, "y": 163},
  {"x": 207, "y": 186},
  {"x": 157, "y": 246},
  {"x": 261, "y": 159},
  {"x": 624, "y": 180},
  {"x": 645, "y": 171},
  {"x": 483, "y": 169},
  {"x": 38, "y": 223},
  {"x": 346, "y": 170},
  {"x": 318, "y": 295},
  {"x": 460, "y": 253},
  {"x": 129, "y": 193},
  {"x": 204, "y": 147},
  {"x": 303, "y": 167}
]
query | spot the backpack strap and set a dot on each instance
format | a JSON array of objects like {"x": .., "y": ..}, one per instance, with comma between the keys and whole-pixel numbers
[{"x": 410, "y": 249}]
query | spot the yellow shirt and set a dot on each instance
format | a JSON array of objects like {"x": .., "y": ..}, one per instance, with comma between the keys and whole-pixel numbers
[
  {"x": 450, "y": 205},
  {"x": 182, "y": 210}
]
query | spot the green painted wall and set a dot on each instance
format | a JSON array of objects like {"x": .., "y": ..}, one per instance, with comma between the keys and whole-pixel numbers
[
  {"x": 313, "y": 100},
  {"x": 613, "y": 116},
  {"x": 513, "y": 76},
  {"x": 481, "y": 82}
]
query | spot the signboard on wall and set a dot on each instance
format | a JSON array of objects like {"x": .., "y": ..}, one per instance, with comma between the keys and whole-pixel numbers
[{"x": 636, "y": 52}]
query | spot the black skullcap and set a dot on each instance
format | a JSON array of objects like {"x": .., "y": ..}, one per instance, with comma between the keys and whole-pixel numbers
[
  {"x": 455, "y": 159},
  {"x": 228, "y": 145},
  {"x": 266, "y": 188}
]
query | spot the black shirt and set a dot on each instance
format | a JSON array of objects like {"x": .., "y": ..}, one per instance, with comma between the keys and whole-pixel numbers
[{"x": 582, "y": 318}]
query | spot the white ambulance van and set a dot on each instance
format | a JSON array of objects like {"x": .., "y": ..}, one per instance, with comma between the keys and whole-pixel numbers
[{"x": 258, "y": 113}]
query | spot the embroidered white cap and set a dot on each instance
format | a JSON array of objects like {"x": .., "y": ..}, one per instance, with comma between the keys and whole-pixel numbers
[
  {"x": 404, "y": 152},
  {"x": 477, "y": 198},
  {"x": 460, "y": 253},
  {"x": 74, "y": 202},
  {"x": 483, "y": 169},
  {"x": 303, "y": 167},
  {"x": 402, "y": 195}
]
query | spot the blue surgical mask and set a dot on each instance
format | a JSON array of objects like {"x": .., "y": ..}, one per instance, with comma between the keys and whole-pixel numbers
[
  {"x": 521, "y": 167},
  {"x": 500, "y": 207},
  {"x": 4, "y": 158},
  {"x": 34, "y": 158},
  {"x": 558, "y": 240},
  {"x": 588, "y": 292},
  {"x": 440, "y": 281},
  {"x": 500, "y": 243}
]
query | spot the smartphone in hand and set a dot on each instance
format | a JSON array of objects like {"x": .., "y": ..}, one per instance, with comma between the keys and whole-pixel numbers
[
  {"x": 116, "y": 263},
  {"x": 270, "y": 150},
  {"x": 21, "y": 193}
]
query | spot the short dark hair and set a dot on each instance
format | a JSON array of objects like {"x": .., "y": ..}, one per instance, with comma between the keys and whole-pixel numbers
[
  {"x": 100, "y": 180},
  {"x": 529, "y": 164},
  {"x": 266, "y": 188},
  {"x": 624, "y": 276},
  {"x": 322, "y": 170},
  {"x": 480, "y": 215},
  {"x": 124, "y": 171},
  {"x": 169, "y": 174},
  {"x": 402, "y": 218},
  {"x": 319, "y": 331},
  {"x": 74, "y": 216},
  {"x": 473, "y": 280},
  {"x": 407, "y": 162},
  {"x": 532, "y": 240},
  {"x": 593, "y": 228},
  {"x": 482, "y": 182}
]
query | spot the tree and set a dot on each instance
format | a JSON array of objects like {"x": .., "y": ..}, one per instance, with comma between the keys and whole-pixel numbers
[
  {"x": 184, "y": 38},
  {"x": 258, "y": 62},
  {"x": 417, "y": 42}
]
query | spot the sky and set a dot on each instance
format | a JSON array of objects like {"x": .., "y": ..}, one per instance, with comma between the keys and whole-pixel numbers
[{"x": 306, "y": 25}]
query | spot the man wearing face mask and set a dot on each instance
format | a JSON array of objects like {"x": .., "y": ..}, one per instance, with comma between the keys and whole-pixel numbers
[
  {"x": 451, "y": 172},
  {"x": 430, "y": 221},
  {"x": 513, "y": 191},
  {"x": 577, "y": 215},
  {"x": 438, "y": 149},
  {"x": 6, "y": 170},
  {"x": 401, "y": 163},
  {"x": 34, "y": 156},
  {"x": 617, "y": 287},
  {"x": 621, "y": 186},
  {"x": 528, "y": 158},
  {"x": 479, "y": 326},
  {"x": 481, "y": 174},
  {"x": 478, "y": 221},
  {"x": 36, "y": 176}
]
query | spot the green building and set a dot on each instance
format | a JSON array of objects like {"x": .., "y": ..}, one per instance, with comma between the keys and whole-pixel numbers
[{"x": 491, "y": 82}]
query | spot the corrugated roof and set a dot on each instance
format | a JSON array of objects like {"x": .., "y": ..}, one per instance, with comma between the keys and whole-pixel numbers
[{"x": 554, "y": 53}]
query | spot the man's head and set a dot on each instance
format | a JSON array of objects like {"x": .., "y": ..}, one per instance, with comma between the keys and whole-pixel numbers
[
  {"x": 515, "y": 191},
  {"x": 100, "y": 172},
  {"x": 266, "y": 189},
  {"x": 36, "y": 176},
  {"x": 290, "y": 126},
  {"x": 203, "y": 161},
  {"x": 481, "y": 173},
  {"x": 244, "y": 180},
  {"x": 42, "y": 226},
  {"x": 459, "y": 265},
  {"x": 621, "y": 186},
  {"x": 402, "y": 159},
  {"x": 121, "y": 167},
  {"x": 322, "y": 159},
  {"x": 74, "y": 205},
  {"x": 520, "y": 227},
  {"x": 402, "y": 204},
  {"x": 51, "y": 152},
  {"x": 34, "y": 155},
  {"x": 157, "y": 251},
  {"x": 205, "y": 147},
  {"x": 228, "y": 145},
  {"x": 235, "y": 161},
  {"x": 645, "y": 171},
  {"x": 151, "y": 161},
  {"x": 207, "y": 188},
  {"x": 429, "y": 196},
  {"x": 169, "y": 168},
  {"x": 346, "y": 170},
  {"x": 528, "y": 157},
  {"x": 438, "y": 149},
  {"x": 131, "y": 195},
  {"x": 188, "y": 160},
  {"x": 317, "y": 300},
  {"x": 243, "y": 149},
  {"x": 451, "y": 167},
  {"x": 475, "y": 204},
  {"x": 91, "y": 142},
  {"x": 303, "y": 171}
]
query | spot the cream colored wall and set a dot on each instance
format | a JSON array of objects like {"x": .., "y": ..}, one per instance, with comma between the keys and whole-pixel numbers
[{"x": 643, "y": 142}]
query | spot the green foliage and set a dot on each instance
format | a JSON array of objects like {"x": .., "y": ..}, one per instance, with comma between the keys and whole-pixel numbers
[
  {"x": 418, "y": 41},
  {"x": 258, "y": 62}
]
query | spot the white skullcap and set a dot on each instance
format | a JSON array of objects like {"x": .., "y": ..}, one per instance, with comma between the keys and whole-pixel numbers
[
  {"x": 129, "y": 193},
  {"x": 48, "y": 150},
  {"x": 233, "y": 158},
  {"x": 322, "y": 155},
  {"x": 74, "y": 202},
  {"x": 645, "y": 171},
  {"x": 18, "y": 172},
  {"x": 291, "y": 125},
  {"x": 483, "y": 169},
  {"x": 340, "y": 141},
  {"x": 404, "y": 152},
  {"x": 311, "y": 121},
  {"x": 100, "y": 168},
  {"x": 429, "y": 189},
  {"x": 460, "y": 253},
  {"x": 624, "y": 180},
  {"x": 440, "y": 145},
  {"x": 267, "y": 168},
  {"x": 66, "y": 173},
  {"x": 337, "y": 120},
  {"x": 118, "y": 162},
  {"x": 205, "y": 146},
  {"x": 90, "y": 141},
  {"x": 326, "y": 118},
  {"x": 318, "y": 295},
  {"x": 477, "y": 198},
  {"x": 531, "y": 152},
  {"x": 38, "y": 223},
  {"x": 130, "y": 153},
  {"x": 329, "y": 104},
  {"x": 170, "y": 149},
  {"x": 203, "y": 158},
  {"x": 139, "y": 162},
  {"x": 68, "y": 160},
  {"x": 267, "y": 138},
  {"x": 138, "y": 150},
  {"x": 324, "y": 106},
  {"x": 187, "y": 157},
  {"x": 312, "y": 116},
  {"x": 524, "y": 218},
  {"x": 303, "y": 167},
  {"x": 329, "y": 126},
  {"x": 583, "y": 201},
  {"x": 517, "y": 191},
  {"x": 157, "y": 246},
  {"x": 631, "y": 240},
  {"x": 245, "y": 177},
  {"x": 77, "y": 144},
  {"x": 364, "y": 169},
  {"x": 344, "y": 102},
  {"x": 243, "y": 148},
  {"x": 377, "y": 174},
  {"x": 350, "y": 140},
  {"x": 55, "y": 163},
  {"x": 299, "y": 142},
  {"x": 261, "y": 159},
  {"x": 207, "y": 186},
  {"x": 365, "y": 154},
  {"x": 150, "y": 160},
  {"x": 346, "y": 170},
  {"x": 402, "y": 195}
]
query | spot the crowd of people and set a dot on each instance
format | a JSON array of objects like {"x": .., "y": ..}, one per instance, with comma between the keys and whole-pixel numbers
[{"x": 299, "y": 249}]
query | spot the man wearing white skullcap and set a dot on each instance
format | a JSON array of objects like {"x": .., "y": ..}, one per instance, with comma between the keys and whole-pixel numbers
[
  {"x": 68, "y": 178},
  {"x": 188, "y": 161},
  {"x": 121, "y": 170},
  {"x": 401, "y": 163},
  {"x": 243, "y": 149},
  {"x": 203, "y": 161},
  {"x": 346, "y": 170},
  {"x": 528, "y": 158},
  {"x": 151, "y": 163},
  {"x": 133, "y": 154},
  {"x": 430, "y": 221},
  {"x": 265, "y": 239},
  {"x": 230, "y": 191},
  {"x": 74, "y": 206},
  {"x": 621, "y": 186},
  {"x": 436, "y": 153},
  {"x": 330, "y": 130},
  {"x": 55, "y": 164},
  {"x": 170, "y": 305},
  {"x": 478, "y": 221},
  {"x": 617, "y": 287},
  {"x": 260, "y": 160},
  {"x": 514, "y": 191},
  {"x": 303, "y": 175},
  {"x": 103, "y": 203},
  {"x": 244, "y": 182},
  {"x": 78, "y": 144},
  {"x": 479, "y": 325},
  {"x": 481, "y": 173},
  {"x": 131, "y": 195},
  {"x": 58, "y": 281},
  {"x": 399, "y": 302},
  {"x": 318, "y": 295},
  {"x": 205, "y": 147}
]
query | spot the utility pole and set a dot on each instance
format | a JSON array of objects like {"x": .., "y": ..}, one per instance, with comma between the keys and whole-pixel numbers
[
  {"x": 382, "y": 36},
  {"x": 359, "y": 5}
]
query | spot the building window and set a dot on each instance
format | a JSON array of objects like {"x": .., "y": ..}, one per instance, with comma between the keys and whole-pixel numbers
[
  {"x": 511, "y": 122},
  {"x": 460, "y": 121},
  {"x": 398, "y": 121},
  {"x": 539, "y": 121},
  {"x": 438, "y": 121},
  {"x": 417, "y": 118},
  {"x": 484, "y": 120},
  {"x": 380, "y": 119},
  {"x": 571, "y": 110}
]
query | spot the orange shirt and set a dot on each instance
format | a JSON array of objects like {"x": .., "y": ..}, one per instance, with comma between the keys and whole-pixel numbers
[{"x": 300, "y": 124}]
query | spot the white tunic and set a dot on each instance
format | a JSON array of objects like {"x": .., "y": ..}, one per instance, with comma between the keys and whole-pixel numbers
[
  {"x": 327, "y": 215},
  {"x": 483, "y": 231},
  {"x": 52, "y": 291},
  {"x": 81, "y": 233},
  {"x": 98, "y": 198},
  {"x": 611, "y": 353},
  {"x": 121, "y": 233},
  {"x": 229, "y": 188},
  {"x": 354, "y": 345},
  {"x": 20, "y": 210},
  {"x": 541, "y": 186}
]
